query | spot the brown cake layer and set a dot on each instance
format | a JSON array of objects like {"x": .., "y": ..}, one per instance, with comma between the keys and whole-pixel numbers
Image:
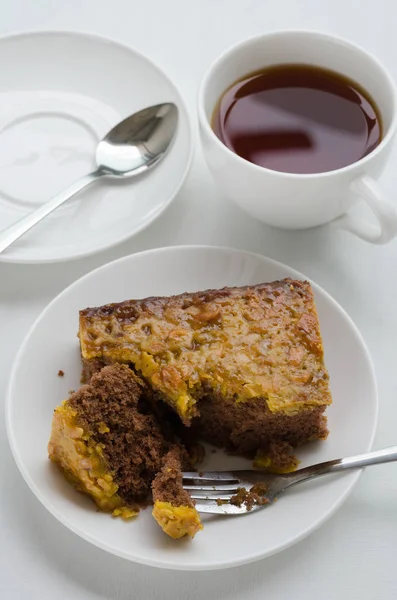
[{"x": 243, "y": 428}]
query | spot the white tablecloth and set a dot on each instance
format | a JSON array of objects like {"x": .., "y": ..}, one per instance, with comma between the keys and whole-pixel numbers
[{"x": 353, "y": 556}]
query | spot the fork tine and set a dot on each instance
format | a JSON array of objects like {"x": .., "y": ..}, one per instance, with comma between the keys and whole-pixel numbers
[
  {"x": 210, "y": 476},
  {"x": 213, "y": 508},
  {"x": 229, "y": 487},
  {"x": 201, "y": 497}
]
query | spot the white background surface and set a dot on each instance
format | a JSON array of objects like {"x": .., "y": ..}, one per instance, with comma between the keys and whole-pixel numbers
[{"x": 353, "y": 555}]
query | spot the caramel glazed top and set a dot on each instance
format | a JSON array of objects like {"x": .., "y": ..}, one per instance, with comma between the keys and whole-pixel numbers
[{"x": 260, "y": 341}]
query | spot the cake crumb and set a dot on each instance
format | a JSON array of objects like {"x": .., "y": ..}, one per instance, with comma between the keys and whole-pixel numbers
[
  {"x": 253, "y": 497},
  {"x": 278, "y": 457},
  {"x": 61, "y": 373}
]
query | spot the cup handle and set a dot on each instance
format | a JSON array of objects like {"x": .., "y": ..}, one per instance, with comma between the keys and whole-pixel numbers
[{"x": 366, "y": 189}]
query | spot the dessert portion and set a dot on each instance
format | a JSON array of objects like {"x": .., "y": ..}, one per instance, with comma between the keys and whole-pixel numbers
[
  {"x": 110, "y": 445},
  {"x": 243, "y": 366}
]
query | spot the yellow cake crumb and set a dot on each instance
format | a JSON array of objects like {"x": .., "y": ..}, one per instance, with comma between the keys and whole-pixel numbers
[
  {"x": 177, "y": 521},
  {"x": 266, "y": 463},
  {"x": 125, "y": 513}
]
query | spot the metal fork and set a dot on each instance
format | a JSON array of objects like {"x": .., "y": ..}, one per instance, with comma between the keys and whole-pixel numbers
[{"x": 213, "y": 490}]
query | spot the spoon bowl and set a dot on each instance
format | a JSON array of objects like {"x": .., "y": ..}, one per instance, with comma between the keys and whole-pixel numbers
[{"x": 139, "y": 142}]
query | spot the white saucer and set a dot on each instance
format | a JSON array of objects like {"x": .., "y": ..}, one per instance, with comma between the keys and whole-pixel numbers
[
  {"x": 60, "y": 93},
  {"x": 52, "y": 344}
]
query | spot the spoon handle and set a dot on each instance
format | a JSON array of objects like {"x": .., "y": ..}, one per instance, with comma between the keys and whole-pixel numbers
[{"x": 9, "y": 235}]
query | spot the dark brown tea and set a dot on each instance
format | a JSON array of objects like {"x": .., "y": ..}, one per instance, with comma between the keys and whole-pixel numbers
[{"x": 298, "y": 119}]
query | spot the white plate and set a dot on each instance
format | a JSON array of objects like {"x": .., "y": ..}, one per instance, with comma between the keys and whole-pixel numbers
[
  {"x": 51, "y": 345},
  {"x": 60, "y": 93}
]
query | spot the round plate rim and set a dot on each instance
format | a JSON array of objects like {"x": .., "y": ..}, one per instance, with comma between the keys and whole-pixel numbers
[
  {"x": 112, "y": 42},
  {"x": 353, "y": 476}
]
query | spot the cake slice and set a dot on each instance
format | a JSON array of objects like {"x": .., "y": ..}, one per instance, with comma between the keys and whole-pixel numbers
[
  {"x": 243, "y": 366},
  {"x": 110, "y": 445}
]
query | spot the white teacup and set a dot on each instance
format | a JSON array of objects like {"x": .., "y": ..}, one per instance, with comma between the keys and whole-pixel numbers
[{"x": 294, "y": 201}]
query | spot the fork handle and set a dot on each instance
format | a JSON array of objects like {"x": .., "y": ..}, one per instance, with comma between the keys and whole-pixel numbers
[{"x": 342, "y": 464}]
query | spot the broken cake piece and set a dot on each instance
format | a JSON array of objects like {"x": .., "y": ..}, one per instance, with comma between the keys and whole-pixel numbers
[
  {"x": 110, "y": 445},
  {"x": 173, "y": 507}
]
